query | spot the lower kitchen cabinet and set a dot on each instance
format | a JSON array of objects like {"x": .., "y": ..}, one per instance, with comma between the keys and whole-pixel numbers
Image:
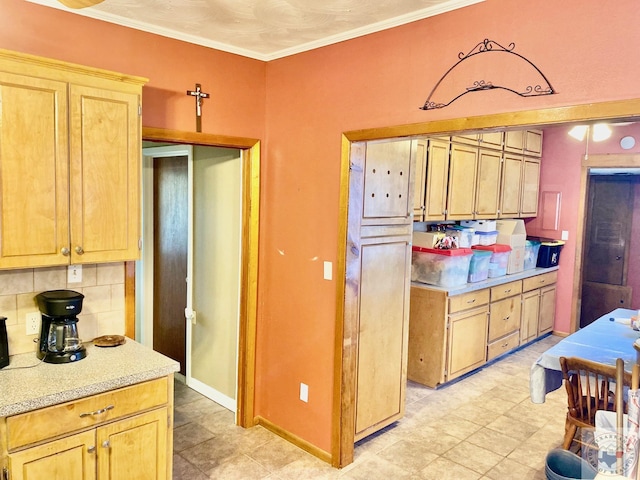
[
  {"x": 124, "y": 433},
  {"x": 452, "y": 334}
]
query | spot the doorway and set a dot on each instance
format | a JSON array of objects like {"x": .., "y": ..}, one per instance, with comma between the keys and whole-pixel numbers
[
  {"x": 193, "y": 256},
  {"x": 607, "y": 246}
]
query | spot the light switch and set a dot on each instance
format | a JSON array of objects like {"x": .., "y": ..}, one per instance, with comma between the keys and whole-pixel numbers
[
  {"x": 304, "y": 392},
  {"x": 328, "y": 270},
  {"x": 74, "y": 274},
  {"x": 565, "y": 235}
]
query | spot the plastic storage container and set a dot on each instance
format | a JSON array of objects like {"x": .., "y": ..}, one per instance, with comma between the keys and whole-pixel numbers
[
  {"x": 499, "y": 258},
  {"x": 464, "y": 234},
  {"x": 549, "y": 254},
  {"x": 479, "y": 266},
  {"x": 531, "y": 248},
  {"x": 480, "y": 225},
  {"x": 444, "y": 268},
  {"x": 487, "y": 238}
]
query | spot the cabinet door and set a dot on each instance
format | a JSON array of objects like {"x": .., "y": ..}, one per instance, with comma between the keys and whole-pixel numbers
[
  {"x": 504, "y": 317},
  {"x": 467, "y": 341},
  {"x": 492, "y": 140},
  {"x": 530, "y": 185},
  {"x": 437, "y": 179},
  {"x": 488, "y": 184},
  {"x": 461, "y": 193},
  {"x": 533, "y": 143},
  {"x": 104, "y": 175},
  {"x": 33, "y": 172},
  {"x": 420, "y": 180},
  {"x": 514, "y": 141},
  {"x": 64, "y": 459},
  {"x": 382, "y": 333},
  {"x": 547, "y": 309},
  {"x": 511, "y": 186},
  {"x": 134, "y": 448},
  {"x": 530, "y": 316}
]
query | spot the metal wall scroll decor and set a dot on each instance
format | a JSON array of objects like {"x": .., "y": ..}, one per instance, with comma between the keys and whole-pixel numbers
[{"x": 542, "y": 85}]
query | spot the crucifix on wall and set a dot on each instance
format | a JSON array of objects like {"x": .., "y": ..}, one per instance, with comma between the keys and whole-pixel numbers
[{"x": 199, "y": 94}]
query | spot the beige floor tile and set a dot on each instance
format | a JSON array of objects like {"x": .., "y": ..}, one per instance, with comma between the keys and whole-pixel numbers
[
  {"x": 508, "y": 469},
  {"x": 513, "y": 428},
  {"x": 494, "y": 441},
  {"x": 444, "y": 469},
  {"x": 455, "y": 426},
  {"x": 411, "y": 456},
  {"x": 377, "y": 468},
  {"x": 472, "y": 456}
]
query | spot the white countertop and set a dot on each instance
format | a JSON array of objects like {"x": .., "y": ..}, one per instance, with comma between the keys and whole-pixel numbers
[
  {"x": 488, "y": 283},
  {"x": 103, "y": 369}
]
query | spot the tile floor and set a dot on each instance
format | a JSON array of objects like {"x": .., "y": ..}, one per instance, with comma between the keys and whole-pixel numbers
[{"x": 482, "y": 427}]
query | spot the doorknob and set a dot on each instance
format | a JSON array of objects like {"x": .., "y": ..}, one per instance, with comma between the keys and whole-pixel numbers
[{"x": 618, "y": 257}]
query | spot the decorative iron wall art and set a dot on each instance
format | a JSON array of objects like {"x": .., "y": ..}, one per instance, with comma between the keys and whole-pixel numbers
[{"x": 527, "y": 87}]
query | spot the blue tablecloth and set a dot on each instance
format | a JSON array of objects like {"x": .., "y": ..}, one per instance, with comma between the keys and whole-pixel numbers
[{"x": 602, "y": 341}]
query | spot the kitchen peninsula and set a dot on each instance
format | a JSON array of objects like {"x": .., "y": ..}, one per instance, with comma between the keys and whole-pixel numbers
[{"x": 111, "y": 412}]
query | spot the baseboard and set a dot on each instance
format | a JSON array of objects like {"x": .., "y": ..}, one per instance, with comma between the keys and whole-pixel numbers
[
  {"x": 227, "y": 402},
  {"x": 297, "y": 441}
]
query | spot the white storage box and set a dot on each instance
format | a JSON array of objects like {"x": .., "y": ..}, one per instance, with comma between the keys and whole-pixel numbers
[
  {"x": 514, "y": 234},
  {"x": 480, "y": 225}
]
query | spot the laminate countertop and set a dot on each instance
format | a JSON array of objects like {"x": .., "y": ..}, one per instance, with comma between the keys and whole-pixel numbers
[
  {"x": 488, "y": 283},
  {"x": 103, "y": 369}
]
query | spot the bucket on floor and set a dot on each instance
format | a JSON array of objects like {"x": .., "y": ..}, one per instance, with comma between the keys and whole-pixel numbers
[{"x": 565, "y": 465}]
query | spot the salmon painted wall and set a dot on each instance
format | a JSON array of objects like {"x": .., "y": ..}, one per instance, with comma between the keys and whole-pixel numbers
[
  {"x": 236, "y": 84},
  {"x": 376, "y": 81}
]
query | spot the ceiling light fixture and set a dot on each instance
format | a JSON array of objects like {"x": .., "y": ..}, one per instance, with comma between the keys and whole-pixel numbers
[{"x": 599, "y": 132}]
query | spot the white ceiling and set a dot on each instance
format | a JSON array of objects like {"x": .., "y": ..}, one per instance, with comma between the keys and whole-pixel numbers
[{"x": 263, "y": 29}]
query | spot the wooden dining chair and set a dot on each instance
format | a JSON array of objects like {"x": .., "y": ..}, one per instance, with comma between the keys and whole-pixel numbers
[{"x": 591, "y": 386}]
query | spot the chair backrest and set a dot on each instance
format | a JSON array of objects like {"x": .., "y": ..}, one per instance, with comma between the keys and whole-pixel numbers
[{"x": 590, "y": 387}]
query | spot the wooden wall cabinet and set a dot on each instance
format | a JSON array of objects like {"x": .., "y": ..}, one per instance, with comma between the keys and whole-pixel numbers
[
  {"x": 461, "y": 189},
  {"x": 70, "y": 142},
  {"x": 434, "y": 204},
  {"x": 520, "y": 185},
  {"x": 125, "y": 433}
]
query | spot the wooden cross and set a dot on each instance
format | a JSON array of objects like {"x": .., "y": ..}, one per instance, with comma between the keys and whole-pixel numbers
[{"x": 199, "y": 94}]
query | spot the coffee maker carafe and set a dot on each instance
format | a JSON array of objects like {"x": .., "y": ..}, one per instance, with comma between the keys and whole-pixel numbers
[{"x": 59, "y": 341}]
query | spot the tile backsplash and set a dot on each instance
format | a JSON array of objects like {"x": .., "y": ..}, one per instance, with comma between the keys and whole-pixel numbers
[{"x": 102, "y": 310}]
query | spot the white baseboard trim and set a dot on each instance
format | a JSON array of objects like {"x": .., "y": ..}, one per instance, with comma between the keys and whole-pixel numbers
[{"x": 211, "y": 393}]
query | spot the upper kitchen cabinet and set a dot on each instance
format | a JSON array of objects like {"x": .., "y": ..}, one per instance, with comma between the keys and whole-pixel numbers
[
  {"x": 434, "y": 206},
  {"x": 70, "y": 141},
  {"x": 527, "y": 142}
]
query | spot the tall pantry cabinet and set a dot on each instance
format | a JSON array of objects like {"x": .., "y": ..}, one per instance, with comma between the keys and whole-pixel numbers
[
  {"x": 378, "y": 278},
  {"x": 69, "y": 163}
]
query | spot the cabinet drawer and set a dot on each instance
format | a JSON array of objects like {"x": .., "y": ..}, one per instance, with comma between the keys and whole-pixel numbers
[
  {"x": 506, "y": 290},
  {"x": 503, "y": 345},
  {"x": 49, "y": 422},
  {"x": 465, "y": 301},
  {"x": 504, "y": 317},
  {"x": 538, "y": 281}
]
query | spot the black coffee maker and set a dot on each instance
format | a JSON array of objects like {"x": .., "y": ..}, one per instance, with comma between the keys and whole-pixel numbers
[{"x": 59, "y": 341}]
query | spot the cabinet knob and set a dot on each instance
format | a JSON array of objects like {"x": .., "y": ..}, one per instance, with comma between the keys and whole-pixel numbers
[
  {"x": 65, "y": 251},
  {"x": 106, "y": 444},
  {"x": 79, "y": 250},
  {"x": 91, "y": 449}
]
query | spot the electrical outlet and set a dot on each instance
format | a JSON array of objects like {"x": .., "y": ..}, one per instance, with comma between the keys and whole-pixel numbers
[{"x": 33, "y": 323}]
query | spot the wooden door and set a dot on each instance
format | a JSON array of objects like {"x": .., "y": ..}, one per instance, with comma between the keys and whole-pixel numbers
[
  {"x": 34, "y": 186},
  {"x": 463, "y": 166},
  {"x": 530, "y": 315},
  {"x": 547, "y": 309},
  {"x": 64, "y": 459},
  {"x": 467, "y": 348},
  {"x": 170, "y": 247},
  {"x": 437, "y": 180},
  {"x": 488, "y": 184},
  {"x": 601, "y": 298},
  {"x": 134, "y": 448},
  {"x": 511, "y": 186},
  {"x": 104, "y": 175},
  {"x": 530, "y": 187},
  {"x": 420, "y": 181}
]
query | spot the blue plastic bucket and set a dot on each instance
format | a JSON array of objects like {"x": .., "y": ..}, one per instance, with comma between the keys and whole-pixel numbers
[{"x": 565, "y": 465}]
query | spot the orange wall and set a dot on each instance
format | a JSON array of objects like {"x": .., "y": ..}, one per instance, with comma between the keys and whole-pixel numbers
[
  {"x": 588, "y": 51},
  {"x": 300, "y": 105}
]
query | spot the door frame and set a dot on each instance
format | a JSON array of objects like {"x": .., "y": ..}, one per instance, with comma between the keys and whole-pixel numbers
[
  {"x": 250, "y": 157},
  {"x": 345, "y": 345}
]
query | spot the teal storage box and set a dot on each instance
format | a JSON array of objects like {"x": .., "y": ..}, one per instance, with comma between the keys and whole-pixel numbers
[
  {"x": 479, "y": 266},
  {"x": 531, "y": 249}
]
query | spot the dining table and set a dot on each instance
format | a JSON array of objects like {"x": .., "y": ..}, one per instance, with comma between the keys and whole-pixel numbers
[{"x": 606, "y": 339}]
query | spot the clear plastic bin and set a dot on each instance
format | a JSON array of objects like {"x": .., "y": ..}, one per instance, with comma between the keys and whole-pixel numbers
[
  {"x": 480, "y": 225},
  {"x": 487, "y": 238},
  {"x": 444, "y": 268},
  {"x": 531, "y": 249},
  {"x": 464, "y": 234},
  {"x": 499, "y": 258},
  {"x": 479, "y": 266}
]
